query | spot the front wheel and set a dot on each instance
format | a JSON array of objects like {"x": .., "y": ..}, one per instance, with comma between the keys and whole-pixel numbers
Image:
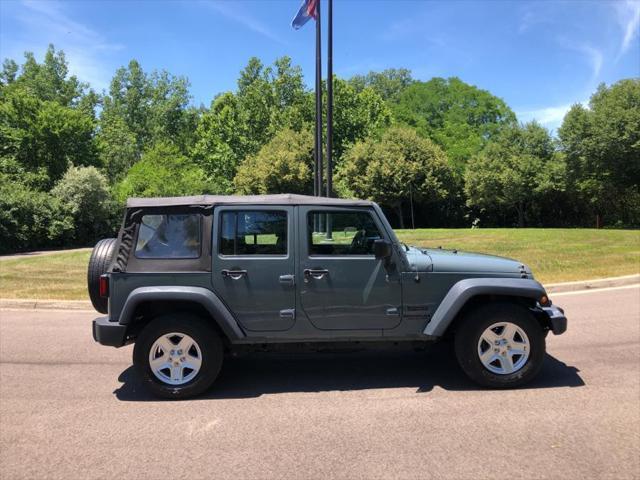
[
  {"x": 178, "y": 356},
  {"x": 500, "y": 345}
]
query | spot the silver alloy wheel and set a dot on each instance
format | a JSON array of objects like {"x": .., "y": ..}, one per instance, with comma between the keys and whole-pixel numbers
[
  {"x": 175, "y": 358},
  {"x": 503, "y": 348}
]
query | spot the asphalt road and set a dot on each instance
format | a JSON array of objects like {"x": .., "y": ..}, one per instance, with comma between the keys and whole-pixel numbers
[{"x": 72, "y": 409}]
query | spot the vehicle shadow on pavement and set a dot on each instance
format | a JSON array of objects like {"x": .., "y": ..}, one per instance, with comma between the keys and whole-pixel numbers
[{"x": 253, "y": 375}]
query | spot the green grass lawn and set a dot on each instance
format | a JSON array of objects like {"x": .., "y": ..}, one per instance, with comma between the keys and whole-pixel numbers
[
  {"x": 61, "y": 276},
  {"x": 555, "y": 255}
]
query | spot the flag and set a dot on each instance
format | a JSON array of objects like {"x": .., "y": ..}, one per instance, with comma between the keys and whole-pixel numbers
[{"x": 307, "y": 10}]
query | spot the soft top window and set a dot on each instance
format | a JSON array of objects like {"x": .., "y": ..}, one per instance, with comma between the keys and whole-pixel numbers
[{"x": 169, "y": 236}]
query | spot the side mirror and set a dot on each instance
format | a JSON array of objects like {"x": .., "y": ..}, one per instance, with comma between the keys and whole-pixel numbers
[{"x": 382, "y": 249}]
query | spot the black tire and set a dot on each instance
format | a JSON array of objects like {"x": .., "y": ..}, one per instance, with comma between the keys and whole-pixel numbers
[
  {"x": 98, "y": 264},
  {"x": 473, "y": 326},
  {"x": 198, "y": 329}
]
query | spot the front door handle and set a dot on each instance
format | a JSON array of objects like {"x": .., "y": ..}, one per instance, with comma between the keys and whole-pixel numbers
[
  {"x": 288, "y": 314},
  {"x": 317, "y": 273},
  {"x": 234, "y": 274}
]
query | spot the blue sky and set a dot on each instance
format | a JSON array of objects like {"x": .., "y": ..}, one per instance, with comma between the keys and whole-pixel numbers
[{"x": 540, "y": 57}]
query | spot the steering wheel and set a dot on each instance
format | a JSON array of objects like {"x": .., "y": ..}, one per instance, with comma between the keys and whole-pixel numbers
[{"x": 359, "y": 242}]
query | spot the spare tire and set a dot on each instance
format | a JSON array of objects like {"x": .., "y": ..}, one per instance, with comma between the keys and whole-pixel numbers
[{"x": 98, "y": 264}]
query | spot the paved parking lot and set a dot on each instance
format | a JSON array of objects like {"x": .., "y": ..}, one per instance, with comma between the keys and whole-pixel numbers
[{"x": 72, "y": 409}]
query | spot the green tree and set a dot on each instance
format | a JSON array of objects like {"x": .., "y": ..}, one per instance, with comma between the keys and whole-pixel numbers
[
  {"x": 284, "y": 165},
  {"x": 141, "y": 110},
  {"x": 292, "y": 108},
  {"x": 9, "y": 71},
  {"x": 515, "y": 171},
  {"x": 44, "y": 136},
  {"x": 222, "y": 142},
  {"x": 357, "y": 116},
  {"x": 46, "y": 119},
  {"x": 49, "y": 80},
  {"x": 239, "y": 124},
  {"x": 395, "y": 168},
  {"x": 162, "y": 171},
  {"x": 389, "y": 83},
  {"x": 602, "y": 148},
  {"x": 117, "y": 147},
  {"x": 461, "y": 118},
  {"x": 272, "y": 99}
]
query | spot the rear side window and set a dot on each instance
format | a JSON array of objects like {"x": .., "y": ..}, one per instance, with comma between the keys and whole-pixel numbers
[
  {"x": 258, "y": 232},
  {"x": 169, "y": 236}
]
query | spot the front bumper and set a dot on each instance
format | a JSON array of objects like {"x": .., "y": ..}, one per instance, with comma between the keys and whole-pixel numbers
[
  {"x": 108, "y": 333},
  {"x": 557, "y": 320}
]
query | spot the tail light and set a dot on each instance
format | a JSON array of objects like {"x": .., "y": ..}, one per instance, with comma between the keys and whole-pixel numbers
[{"x": 104, "y": 286}]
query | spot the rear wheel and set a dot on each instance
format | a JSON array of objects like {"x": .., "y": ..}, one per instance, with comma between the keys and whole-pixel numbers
[
  {"x": 500, "y": 345},
  {"x": 178, "y": 356},
  {"x": 99, "y": 262}
]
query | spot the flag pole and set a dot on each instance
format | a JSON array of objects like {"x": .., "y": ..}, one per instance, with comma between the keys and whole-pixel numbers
[
  {"x": 330, "y": 99},
  {"x": 329, "y": 226},
  {"x": 318, "y": 176}
]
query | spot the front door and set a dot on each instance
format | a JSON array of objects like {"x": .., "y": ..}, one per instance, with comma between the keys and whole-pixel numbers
[
  {"x": 343, "y": 286},
  {"x": 253, "y": 265}
]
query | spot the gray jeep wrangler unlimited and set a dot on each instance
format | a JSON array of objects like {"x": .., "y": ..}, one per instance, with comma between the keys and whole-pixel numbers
[{"x": 191, "y": 278}]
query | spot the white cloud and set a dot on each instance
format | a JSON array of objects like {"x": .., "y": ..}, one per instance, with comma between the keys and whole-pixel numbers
[
  {"x": 527, "y": 21},
  {"x": 549, "y": 117},
  {"x": 234, "y": 13},
  {"x": 594, "y": 56},
  {"x": 48, "y": 22},
  {"x": 629, "y": 18}
]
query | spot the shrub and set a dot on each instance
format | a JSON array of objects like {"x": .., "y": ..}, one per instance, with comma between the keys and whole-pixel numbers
[
  {"x": 29, "y": 219},
  {"x": 85, "y": 202},
  {"x": 162, "y": 171}
]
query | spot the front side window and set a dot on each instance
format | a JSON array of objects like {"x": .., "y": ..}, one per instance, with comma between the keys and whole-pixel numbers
[
  {"x": 258, "y": 232},
  {"x": 169, "y": 236},
  {"x": 341, "y": 233}
]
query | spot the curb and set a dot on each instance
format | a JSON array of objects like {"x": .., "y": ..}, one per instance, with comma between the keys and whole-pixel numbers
[
  {"x": 595, "y": 284},
  {"x": 18, "y": 304}
]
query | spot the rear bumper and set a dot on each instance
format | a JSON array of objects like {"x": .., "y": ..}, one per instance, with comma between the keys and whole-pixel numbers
[
  {"x": 557, "y": 319},
  {"x": 109, "y": 333}
]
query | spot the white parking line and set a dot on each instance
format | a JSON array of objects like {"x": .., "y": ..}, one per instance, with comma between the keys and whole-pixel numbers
[{"x": 594, "y": 290}]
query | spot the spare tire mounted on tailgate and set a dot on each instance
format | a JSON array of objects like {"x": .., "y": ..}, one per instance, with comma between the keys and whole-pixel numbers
[{"x": 98, "y": 264}]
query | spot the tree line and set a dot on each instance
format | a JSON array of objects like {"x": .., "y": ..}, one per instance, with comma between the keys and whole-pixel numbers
[{"x": 442, "y": 152}]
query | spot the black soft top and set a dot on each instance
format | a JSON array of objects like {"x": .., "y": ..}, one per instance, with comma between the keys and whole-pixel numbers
[{"x": 281, "y": 199}]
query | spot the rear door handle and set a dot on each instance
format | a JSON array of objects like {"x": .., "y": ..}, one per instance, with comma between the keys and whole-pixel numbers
[
  {"x": 287, "y": 279},
  {"x": 234, "y": 274},
  {"x": 317, "y": 273}
]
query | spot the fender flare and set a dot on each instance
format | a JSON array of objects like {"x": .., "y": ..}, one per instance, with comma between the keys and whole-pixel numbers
[
  {"x": 202, "y": 296},
  {"x": 462, "y": 291}
]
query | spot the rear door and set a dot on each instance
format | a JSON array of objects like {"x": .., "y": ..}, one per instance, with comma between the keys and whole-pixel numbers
[
  {"x": 253, "y": 265},
  {"x": 342, "y": 285}
]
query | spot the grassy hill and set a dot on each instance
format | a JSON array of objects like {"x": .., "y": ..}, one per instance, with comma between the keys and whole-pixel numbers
[{"x": 555, "y": 255}]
